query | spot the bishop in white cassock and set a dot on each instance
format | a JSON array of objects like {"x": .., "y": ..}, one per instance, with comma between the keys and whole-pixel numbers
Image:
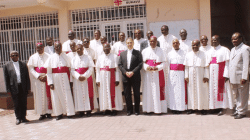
[
  {"x": 204, "y": 46},
  {"x": 185, "y": 44},
  {"x": 66, "y": 44},
  {"x": 82, "y": 67},
  {"x": 41, "y": 90},
  {"x": 49, "y": 48},
  {"x": 58, "y": 76},
  {"x": 196, "y": 75},
  {"x": 138, "y": 40},
  {"x": 99, "y": 51},
  {"x": 96, "y": 44},
  {"x": 166, "y": 40},
  {"x": 154, "y": 88},
  {"x": 220, "y": 94},
  {"x": 107, "y": 79},
  {"x": 177, "y": 91},
  {"x": 120, "y": 46}
]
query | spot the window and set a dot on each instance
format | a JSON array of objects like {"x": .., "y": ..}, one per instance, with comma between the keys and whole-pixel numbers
[
  {"x": 22, "y": 32},
  {"x": 110, "y": 20}
]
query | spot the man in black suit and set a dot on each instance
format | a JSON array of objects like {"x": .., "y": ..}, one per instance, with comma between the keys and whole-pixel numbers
[
  {"x": 130, "y": 64},
  {"x": 18, "y": 84},
  {"x": 146, "y": 43}
]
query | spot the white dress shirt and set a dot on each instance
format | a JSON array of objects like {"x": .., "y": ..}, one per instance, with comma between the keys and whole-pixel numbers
[
  {"x": 129, "y": 55},
  {"x": 17, "y": 69}
]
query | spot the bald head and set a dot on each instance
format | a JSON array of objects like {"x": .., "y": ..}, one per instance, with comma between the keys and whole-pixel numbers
[
  {"x": 183, "y": 34},
  {"x": 164, "y": 30},
  {"x": 72, "y": 45},
  {"x": 204, "y": 40},
  {"x": 149, "y": 34},
  {"x": 138, "y": 34},
  {"x": 79, "y": 49},
  {"x": 237, "y": 39},
  {"x": 195, "y": 45},
  {"x": 153, "y": 41},
  {"x": 97, "y": 34},
  {"x": 176, "y": 44},
  {"x": 106, "y": 48},
  {"x": 215, "y": 41},
  {"x": 103, "y": 40},
  {"x": 58, "y": 47},
  {"x": 122, "y": 36},
  {"x": 71, "y": 35}
]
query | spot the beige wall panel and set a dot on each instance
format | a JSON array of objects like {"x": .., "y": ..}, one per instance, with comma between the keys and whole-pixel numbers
[
  {"x": 89, "y": 4},
  {"x": 24, "y": 11},
  {"x": 169, "y": 10}
]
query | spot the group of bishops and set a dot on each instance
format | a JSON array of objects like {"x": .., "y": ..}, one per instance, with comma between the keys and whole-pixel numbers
[{"x": 82, "y": 76}]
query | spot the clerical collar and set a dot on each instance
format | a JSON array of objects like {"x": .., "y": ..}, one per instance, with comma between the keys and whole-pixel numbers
[{"x": 130, "y": 50}]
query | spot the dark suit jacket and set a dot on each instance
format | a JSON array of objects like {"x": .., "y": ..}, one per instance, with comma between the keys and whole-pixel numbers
[
  {"x": 135, "y": 65},
  {"x": 11, "y": 78},
  {"x": 144, "y": 45}
]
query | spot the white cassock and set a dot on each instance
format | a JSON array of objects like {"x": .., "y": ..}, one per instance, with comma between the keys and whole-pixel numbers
[
  {"x": 137, "y": 43},
  {"x": 58, "y": 75},
  {"x": 66, "y": 46},
  {"x": 206, "y": 48},
  {"x": 71, "y": 55},
  {"x": 84, "y": 91},
  {"x": 90, "y": 52},
  {"x": 154, "y": 85},
  {"x": 42, "y": 98},
  {"x": 95, "y": 45},
  {"x": 49, "y": 49},
  {"x": 186, "y": 45},
  {"x": 117, "y": 48},
  {"x": 196, "y": 68},
  {"x": 110, "y": 96},
  {"x": 220, "y": 94},
  {"x": 176, "y": 92},
  {"x": 166, "y": 42}
]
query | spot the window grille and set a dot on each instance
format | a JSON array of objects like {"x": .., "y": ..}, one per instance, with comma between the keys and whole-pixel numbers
[
  {"x": 85, "y": 21},
  {"x": 131, "y": 27},
  {"x": 22, "y": 32}
]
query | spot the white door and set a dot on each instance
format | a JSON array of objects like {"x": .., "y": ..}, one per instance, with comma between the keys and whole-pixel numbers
[{"x": 112, "y": 30}]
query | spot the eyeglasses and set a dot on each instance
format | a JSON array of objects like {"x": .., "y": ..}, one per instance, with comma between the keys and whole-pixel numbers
[{"x": 14, "y": 55}]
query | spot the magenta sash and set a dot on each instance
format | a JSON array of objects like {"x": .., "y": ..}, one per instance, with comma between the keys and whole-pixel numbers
[
  {"x": 112, "y": 83},
  {"x": 61, "y": 70},
  {"x": 90, "y": 86},
  {"x": 221, "y": 79},
  {"x": 44, "y": 70},
  {"x": 67, "y": 52},
  {"x": 120, "y": 51},
  {"x": 161, "y": 78},
  {"x": 180, "y": 67}
]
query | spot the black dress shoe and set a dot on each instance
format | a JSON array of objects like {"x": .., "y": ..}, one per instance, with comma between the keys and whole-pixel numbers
[
  {"x": 49, "y": 116},
  {"x": 114, "y": 113},
  {"x": 25, "y": 120},
  {"x": 18, "y": 121},
  {"x": 81, "y": 114},
  {"x": 235, "y": 114},
  {"x": 59, "y": 117},
  {"x": 173, "y": 111},
  {"x": 137, "y": 113},
  {"x": 204, "y": 112},
  {"x": 220, "y": 113},
  {"x": 88, "y": 113},
  {"x": 129, "y": 113},
  {"x": 190, "y": 111},
  {"x": 239, "y": 116},
  {"x": 42, "y": 117}
]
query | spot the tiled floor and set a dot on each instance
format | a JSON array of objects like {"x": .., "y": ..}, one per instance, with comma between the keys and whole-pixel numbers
[{"x": 144, "y": 127}]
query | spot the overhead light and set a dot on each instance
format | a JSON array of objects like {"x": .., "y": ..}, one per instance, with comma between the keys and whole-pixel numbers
[{"x": 41, "y": 1}]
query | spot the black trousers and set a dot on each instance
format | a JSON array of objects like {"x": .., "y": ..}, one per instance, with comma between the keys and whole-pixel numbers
[
  {"x": 127, "y": 93},
  {"x": 20, "y": 102}
]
